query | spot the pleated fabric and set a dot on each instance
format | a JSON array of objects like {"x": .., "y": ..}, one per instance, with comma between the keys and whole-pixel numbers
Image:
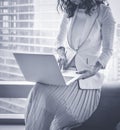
[{"x": 56, "y": 107}]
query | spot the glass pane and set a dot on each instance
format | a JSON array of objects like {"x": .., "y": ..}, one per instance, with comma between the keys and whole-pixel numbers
[
  {"x": 12, "y": 105},
  {"x": 25, "y": 26}
]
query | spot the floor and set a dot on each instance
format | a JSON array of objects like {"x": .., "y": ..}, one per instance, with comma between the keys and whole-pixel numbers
[{"x": 12, "y": 127}]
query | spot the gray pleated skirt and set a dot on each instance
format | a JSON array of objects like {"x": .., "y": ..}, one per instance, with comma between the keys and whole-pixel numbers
[{"x": 64, "y": 105}]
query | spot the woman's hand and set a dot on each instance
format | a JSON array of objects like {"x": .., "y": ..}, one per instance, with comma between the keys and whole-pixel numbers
[
  {"x": 89, "y": 73},
  {"x": 62, "y": 59},
  {"x": 86, "y": 74}
]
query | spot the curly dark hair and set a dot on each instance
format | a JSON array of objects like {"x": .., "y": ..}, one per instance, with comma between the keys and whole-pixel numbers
[{"x": 69, "y": 7}]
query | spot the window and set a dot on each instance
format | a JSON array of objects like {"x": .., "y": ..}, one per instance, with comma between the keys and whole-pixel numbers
[
  {"x": 31, "y": 26},
  {"x": 26, "y": 26}
]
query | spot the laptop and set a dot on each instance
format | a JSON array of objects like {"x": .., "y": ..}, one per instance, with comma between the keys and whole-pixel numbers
[{"x": 44, "y": 68}]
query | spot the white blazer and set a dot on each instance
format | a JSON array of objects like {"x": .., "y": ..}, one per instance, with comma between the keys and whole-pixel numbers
[{"x": 88, "y": 53}]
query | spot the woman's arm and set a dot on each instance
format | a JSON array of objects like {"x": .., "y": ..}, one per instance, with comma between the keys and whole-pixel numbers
[
  {"x": 62, "y": 32},
  {"x": 107, "y": 31},
  {"x": 62, "y": 60}
]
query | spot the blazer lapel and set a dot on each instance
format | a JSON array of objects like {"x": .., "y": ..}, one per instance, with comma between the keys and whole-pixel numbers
[{"x": 88, "y": 27}]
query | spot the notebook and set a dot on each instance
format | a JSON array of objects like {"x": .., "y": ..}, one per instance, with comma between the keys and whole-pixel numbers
[{"x": 44, "y": 68}]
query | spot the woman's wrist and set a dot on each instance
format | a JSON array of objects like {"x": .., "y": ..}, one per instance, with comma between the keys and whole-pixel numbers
[
  {"x": 61, "y": 52},
  {"x": 61, "y": 48},
  {"x": 97, "y": 66}
]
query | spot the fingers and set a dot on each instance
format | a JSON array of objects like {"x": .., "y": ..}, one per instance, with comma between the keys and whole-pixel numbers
[
  {"x": 62, "y": 54},
  {"x": 62, "y": 63},
  {"x": 86, "y": 74},
  {"x": 81, "y": 72}
]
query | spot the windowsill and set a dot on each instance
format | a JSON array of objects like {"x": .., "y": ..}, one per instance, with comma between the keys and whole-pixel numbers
[
  {"x": 16, "y": 83},
  {"x": 12, "y": 119},
  {"x": 15, "y": 89},
  {"x": 11, "y": 116}
]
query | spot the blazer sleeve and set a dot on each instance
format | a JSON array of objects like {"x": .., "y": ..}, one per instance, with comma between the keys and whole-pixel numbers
[
  {"x": 62, "y": 31},
  {"x": 107, "y": 32}
]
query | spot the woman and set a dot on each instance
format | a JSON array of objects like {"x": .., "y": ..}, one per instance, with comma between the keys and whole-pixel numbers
[{"x": 89, "y": 26}]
